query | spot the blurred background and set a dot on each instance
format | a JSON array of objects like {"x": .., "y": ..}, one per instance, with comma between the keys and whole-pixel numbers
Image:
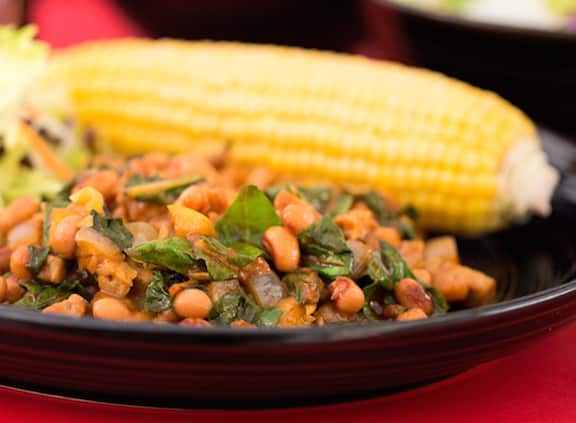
[{"x": 523, "y": 49}]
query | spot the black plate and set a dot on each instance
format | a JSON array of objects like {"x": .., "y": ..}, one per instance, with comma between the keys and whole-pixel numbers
[
  {"x": 169, "y": 365},
  {"x": 532, "y": 68}
]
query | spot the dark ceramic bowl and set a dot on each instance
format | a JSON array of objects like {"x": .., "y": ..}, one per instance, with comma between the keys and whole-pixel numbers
[
  {"x": 532, "y": 68},
  {"x": 169, "y": 365}
]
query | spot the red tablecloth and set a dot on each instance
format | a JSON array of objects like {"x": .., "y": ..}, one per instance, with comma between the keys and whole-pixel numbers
[{"x": 536, "y": 385}]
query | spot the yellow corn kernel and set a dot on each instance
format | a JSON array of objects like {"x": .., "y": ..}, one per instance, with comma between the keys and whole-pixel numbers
[
  {"x": 318, "y": 116},
  {"x": 89, "y": 198},
  {"x": 188, "y": 221}
]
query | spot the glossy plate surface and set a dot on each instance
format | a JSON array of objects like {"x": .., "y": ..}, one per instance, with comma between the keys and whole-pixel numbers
[{"x": 165, "y": 365}]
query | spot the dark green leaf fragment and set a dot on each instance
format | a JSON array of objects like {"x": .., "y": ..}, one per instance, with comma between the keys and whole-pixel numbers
[
  {"x": 378, "y": 272},
  {"x": 342, "y": 204},
  {"x": 172, "y": 253},
  {"x": 319, "y": 197},
  {"x": 376, "y": 298},
  {"x": 156, "y": 190},
  {"x": 325, "y": 250},
  {"x": 38, "y": 256},
  {"x": 268, "y": 317},
  {"x": 157, "y": 298},
  {"x": 40, "y": 295},
  {"x": 247, "y": 218},
  {"x": 239, "y": 254},
  {"x": 113, "y": 229}
]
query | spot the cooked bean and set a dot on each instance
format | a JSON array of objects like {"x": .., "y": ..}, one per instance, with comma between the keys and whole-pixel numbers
[
  {"x": 28, "y": 232},
  {"x": 297, "y": 217},
  {"x": 195, "y": 197},
  {"x": 346, "y": 295},
  {"x": 411, "y": 294},
  {"x": 192, "y": 303},
  {"x": 18, "y": 262},
  {"x": 110, "y": 309},
  {"x": 62, "y": 237},
  {"x": 285, "y": 198},
  {"x": 412, "y": 314},
  {"x": 283, "y": 247},
  {"x": 17, "y": 212},
  {"x": 13, "y": 289}
]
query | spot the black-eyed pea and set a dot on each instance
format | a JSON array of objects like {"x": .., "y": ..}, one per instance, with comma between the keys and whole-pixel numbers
[
  {"x": 109, "y": 308},
  {"x": 61, "y": 239},
  {"x": 192, "y": 303},
  {"x": 346, "y": 295},
  {"x": 283, "y": 247},
  {"x": 411, "y": 294}
]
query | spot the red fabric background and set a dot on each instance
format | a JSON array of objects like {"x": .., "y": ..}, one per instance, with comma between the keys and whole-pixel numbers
[{"x": 535, "y": 385}]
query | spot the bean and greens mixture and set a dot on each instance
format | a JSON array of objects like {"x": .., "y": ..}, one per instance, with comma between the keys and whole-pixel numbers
[{"x": 202, "y": 242}]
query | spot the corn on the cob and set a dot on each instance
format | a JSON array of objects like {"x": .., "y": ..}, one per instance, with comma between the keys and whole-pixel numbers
[{"x": 468, "y": 159}]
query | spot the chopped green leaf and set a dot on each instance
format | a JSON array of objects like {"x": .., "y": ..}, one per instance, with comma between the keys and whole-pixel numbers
[
  {"x": 268, "y": 317},
  {"x": 397, "y": 266},
  {"x": 247, "y": 218},
  {"x": 172, "y": 253},
  {"x": 324, "y": 249},
  {"x": 225, "y": 310},
  {"x": 319, "y": 197},
  {"x": 158, "y": 191},
  {"x": 112, "y": 228},
  {"x": 376, "y": 298},
  {"x": 157, "y": 298},
  {"x": 40, "y": 295},
  {"x": 38, "y": 256},
  {"x": 237, "y": 253},
  {"x": 216, "y": 258},
  {"x": 234, "y": 306},
  {"x": 342, "y": 204},
  {"x": 378, "y": 272}
]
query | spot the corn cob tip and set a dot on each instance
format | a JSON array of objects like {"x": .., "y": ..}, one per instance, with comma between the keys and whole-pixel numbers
[{"x": 528, "y": 181}]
